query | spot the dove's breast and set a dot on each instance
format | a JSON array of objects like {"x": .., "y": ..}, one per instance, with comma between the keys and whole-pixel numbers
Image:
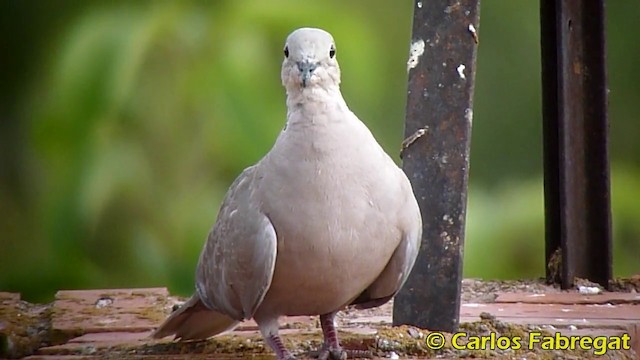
[{"x": 334, "y": 198}]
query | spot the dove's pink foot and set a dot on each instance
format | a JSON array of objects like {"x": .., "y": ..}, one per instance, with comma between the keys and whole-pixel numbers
[
  {"x": 278, "y": 347},
  {"x": 269, "y": 329},
  {"x": 331, "y": 348}
]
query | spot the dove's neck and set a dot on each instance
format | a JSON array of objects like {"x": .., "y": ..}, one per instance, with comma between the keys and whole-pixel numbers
[{"x": 309, "y": 104}]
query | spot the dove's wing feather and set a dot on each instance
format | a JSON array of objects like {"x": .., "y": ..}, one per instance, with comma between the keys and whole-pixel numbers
[
  {"x": 237, "y": 262},
  {"x": 398, "y": 268},
  {"x": 193, "y": 320}
]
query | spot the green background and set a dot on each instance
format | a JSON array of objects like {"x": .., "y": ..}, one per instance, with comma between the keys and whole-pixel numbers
[{"x": 124, "y": 122}]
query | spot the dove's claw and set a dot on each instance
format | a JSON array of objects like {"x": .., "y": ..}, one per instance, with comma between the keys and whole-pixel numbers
[
  {"x": 338, "y": 354},
  {"x": 332, "y": 354},
  {"x": 341, "y": 354},
  {"x": 359, "y": 354}
]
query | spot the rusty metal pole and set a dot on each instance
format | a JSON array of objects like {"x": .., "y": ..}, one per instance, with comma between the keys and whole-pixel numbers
[
  {"x": 576, "y": 155},
  {"x": 441, "y": 69}
]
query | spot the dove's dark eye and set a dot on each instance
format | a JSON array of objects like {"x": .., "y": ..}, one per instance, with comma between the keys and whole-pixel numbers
[
  {"x": 286, "y": 51},
  {"x": 332, "y": 51}
]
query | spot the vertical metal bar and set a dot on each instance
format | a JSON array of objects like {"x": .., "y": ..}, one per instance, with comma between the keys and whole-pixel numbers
[
  {"x": 551, "y": 146},
  {"x": 576, "y": 139},
  {"x": 441, "y": 68}
]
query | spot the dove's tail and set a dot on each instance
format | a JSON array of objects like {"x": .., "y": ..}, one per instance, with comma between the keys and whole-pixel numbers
[{"x": 193, "y": 320}]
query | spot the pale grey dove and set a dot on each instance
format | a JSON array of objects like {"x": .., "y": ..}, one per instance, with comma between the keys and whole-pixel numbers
[{"x": 324, "y": 220}]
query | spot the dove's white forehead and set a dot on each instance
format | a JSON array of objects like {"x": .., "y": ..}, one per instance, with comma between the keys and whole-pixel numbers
[{"x": 309, "y": 42}]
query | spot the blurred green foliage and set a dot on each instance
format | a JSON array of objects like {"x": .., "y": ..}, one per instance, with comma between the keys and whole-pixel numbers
[{"x": 124, "y": 122}]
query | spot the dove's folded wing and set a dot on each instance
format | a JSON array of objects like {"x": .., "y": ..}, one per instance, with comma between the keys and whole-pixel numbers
[
  {"x": 404, "y": 257},
  {"x": 236, "y": 265}
]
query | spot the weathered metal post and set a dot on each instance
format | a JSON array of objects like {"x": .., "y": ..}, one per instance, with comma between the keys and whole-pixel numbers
[
  {"x": 576, "y": 156},
  {"x": 441, "y": 69}
]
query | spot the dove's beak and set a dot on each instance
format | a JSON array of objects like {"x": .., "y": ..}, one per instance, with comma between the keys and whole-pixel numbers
[{"x": 306, "y": 70}]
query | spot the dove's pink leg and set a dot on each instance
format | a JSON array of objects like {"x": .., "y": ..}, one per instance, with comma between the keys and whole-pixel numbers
[
  {"x": 332, "y": 348},
  {"x": 327, "y": 321},
  {"x": 281, "y": 351},
  {"x": 269, "y": 330}
]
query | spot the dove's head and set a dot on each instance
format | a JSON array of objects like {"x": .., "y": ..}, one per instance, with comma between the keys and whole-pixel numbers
[{"x": 310, "y": 60}]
